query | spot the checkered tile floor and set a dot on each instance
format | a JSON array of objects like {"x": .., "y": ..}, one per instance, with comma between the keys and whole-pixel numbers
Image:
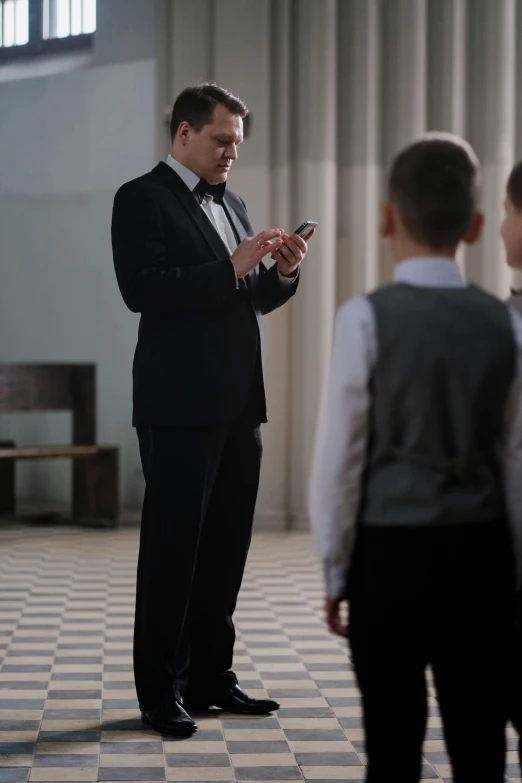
[{"x": 67, "y": 703}]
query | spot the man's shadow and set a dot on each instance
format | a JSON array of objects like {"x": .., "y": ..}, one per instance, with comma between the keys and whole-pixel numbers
[{"x": 135, "y": 725}]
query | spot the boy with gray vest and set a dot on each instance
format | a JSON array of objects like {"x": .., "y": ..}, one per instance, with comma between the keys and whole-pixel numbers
[{"x": 415, "y": 489}]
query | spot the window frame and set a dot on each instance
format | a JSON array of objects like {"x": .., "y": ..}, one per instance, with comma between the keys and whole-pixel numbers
[{"x": 38, "y": 45}]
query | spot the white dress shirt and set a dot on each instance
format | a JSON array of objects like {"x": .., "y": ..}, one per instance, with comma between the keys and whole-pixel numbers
[
  {"x": 215, "y": 212},
  {"x": 340, "y": 449}
]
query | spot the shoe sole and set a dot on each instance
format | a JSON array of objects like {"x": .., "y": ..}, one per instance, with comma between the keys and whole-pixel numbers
[
  {"x": 181, "y": 732},
  {"x": 201, "y": 708}
]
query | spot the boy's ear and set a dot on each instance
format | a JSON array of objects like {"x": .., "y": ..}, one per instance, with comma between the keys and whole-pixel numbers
[
  {"x": 387, "y": 227},
  {"x": 474, "y": 231}
]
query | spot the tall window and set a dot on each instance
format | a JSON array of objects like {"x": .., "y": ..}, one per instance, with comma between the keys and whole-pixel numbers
[
  {"x": 62, "y": 18},
  {"x": 14, "y": 22},
  {"x": 32, "y": 27}
]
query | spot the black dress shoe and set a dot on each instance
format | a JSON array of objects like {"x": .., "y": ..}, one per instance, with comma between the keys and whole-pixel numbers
[
  {"x": 170, "y": 719},
  {"x": 230, "y": 699}
]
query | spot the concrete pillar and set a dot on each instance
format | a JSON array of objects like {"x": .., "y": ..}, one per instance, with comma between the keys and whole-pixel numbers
[
  {"x": 359, "y": 139},
  {"x": 491, "y": 126},
  {"x": 281, "y": 214},
  {"x": 403, "y": 79},
  {"x": 192, "y": 53},
  {"x": 314, "y": 197}
]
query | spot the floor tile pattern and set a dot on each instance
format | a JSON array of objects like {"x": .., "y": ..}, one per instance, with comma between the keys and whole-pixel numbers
[{"x": 68, "y": 709}]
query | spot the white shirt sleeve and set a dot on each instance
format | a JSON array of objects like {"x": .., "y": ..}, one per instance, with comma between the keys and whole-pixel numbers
[
  {"x": 286, "y": 280},
  {"x": 513, "y": 450},
  {"x": 340, "y": 449}
]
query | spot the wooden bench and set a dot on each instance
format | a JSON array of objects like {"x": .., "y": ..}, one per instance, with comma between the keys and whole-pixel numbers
[{"x": 62, "y": 387}]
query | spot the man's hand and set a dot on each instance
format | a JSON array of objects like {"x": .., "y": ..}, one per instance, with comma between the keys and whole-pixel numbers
[
  {"x": 291, "y": 252},
  {"x": 332, "y": 609},
  {"x": 252, "y": 250}
]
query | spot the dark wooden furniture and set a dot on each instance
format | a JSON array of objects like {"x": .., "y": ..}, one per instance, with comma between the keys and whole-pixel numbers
[{"x": 62, "y": 387}]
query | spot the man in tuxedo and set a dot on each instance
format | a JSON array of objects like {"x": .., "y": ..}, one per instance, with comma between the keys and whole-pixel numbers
[{"x": 187, "y": 261}]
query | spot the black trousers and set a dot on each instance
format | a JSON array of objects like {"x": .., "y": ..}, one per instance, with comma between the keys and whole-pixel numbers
[
  {"x": 201, "y": 489},
  {"x": 441, "y": 597}
]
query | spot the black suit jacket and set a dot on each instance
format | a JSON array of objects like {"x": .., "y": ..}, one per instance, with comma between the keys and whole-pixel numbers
[{"x": 199, "y": 335}]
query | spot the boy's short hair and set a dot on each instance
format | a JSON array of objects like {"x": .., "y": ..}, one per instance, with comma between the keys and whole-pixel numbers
[
  {"x": 196, "y": 105},
  {"x": 514, "y": 186},
  {"x": 434, "y": 184}
]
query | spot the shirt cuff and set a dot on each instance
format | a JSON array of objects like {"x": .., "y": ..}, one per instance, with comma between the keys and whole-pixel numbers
[
  {"x": 335, "y": 577},
  {"x": 288, "y": 279}
]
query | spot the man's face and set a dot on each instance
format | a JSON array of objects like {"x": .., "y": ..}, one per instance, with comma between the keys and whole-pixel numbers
[
  {"x": 511, "y": 232},
  {"x": 210, "y": 153}
]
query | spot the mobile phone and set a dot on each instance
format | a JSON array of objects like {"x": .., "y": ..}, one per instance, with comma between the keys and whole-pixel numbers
[
  {"x": 303, "y": 231},
  {"x": 306, "y": 228}
]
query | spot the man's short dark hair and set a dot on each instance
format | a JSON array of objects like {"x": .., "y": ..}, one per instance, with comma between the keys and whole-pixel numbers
[
  {"x": 434, "y": 184},
  {"x": 196, "y": 105},
  {"x": 514, "y": 186}
]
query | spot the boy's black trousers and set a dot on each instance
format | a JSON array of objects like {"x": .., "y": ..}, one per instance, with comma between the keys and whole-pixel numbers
[{"x": 441, "y": 597}]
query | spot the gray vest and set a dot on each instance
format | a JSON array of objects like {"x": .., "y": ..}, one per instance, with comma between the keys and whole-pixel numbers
[{"x": 446, "y": 362}]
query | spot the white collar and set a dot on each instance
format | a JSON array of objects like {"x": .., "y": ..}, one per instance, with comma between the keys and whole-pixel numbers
[
  {"x": 189, "y": 178},
  {"x": 431, "y": 271}
]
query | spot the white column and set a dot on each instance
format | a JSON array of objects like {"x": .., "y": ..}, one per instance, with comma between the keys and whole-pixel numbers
[
  {"x": 404, "y": 62},
  {"x": 163, "y": 10},
  {"x": 447, "y": 45},
  {"x": 491, "y": 127},
  {"x": 360, "y": 171},
  {"x": 518, "y": 79},
  {"x": 278, "y": 381},
  {"x": 314, "y": 197},
  {"x": 404, "y": 94},
  {"x": 447, "y": 65},
  {"x": 192, "y": 43}
]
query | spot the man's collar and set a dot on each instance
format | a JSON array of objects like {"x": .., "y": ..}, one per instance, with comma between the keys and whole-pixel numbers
[
  {"x": 190, "y": 179},
  {"x": 199, "y": 187}
]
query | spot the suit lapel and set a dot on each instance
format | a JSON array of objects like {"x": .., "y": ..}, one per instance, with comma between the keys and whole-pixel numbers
[
  {"x": 233, "y": 219},
  {"x": 239, "y": 230},
  {"x": 241, "y": 233},
  {"x": 193, "y": 209}
]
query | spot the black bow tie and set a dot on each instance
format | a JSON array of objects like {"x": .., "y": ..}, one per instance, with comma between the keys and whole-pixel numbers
[{"x": 203, "y": 189}]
